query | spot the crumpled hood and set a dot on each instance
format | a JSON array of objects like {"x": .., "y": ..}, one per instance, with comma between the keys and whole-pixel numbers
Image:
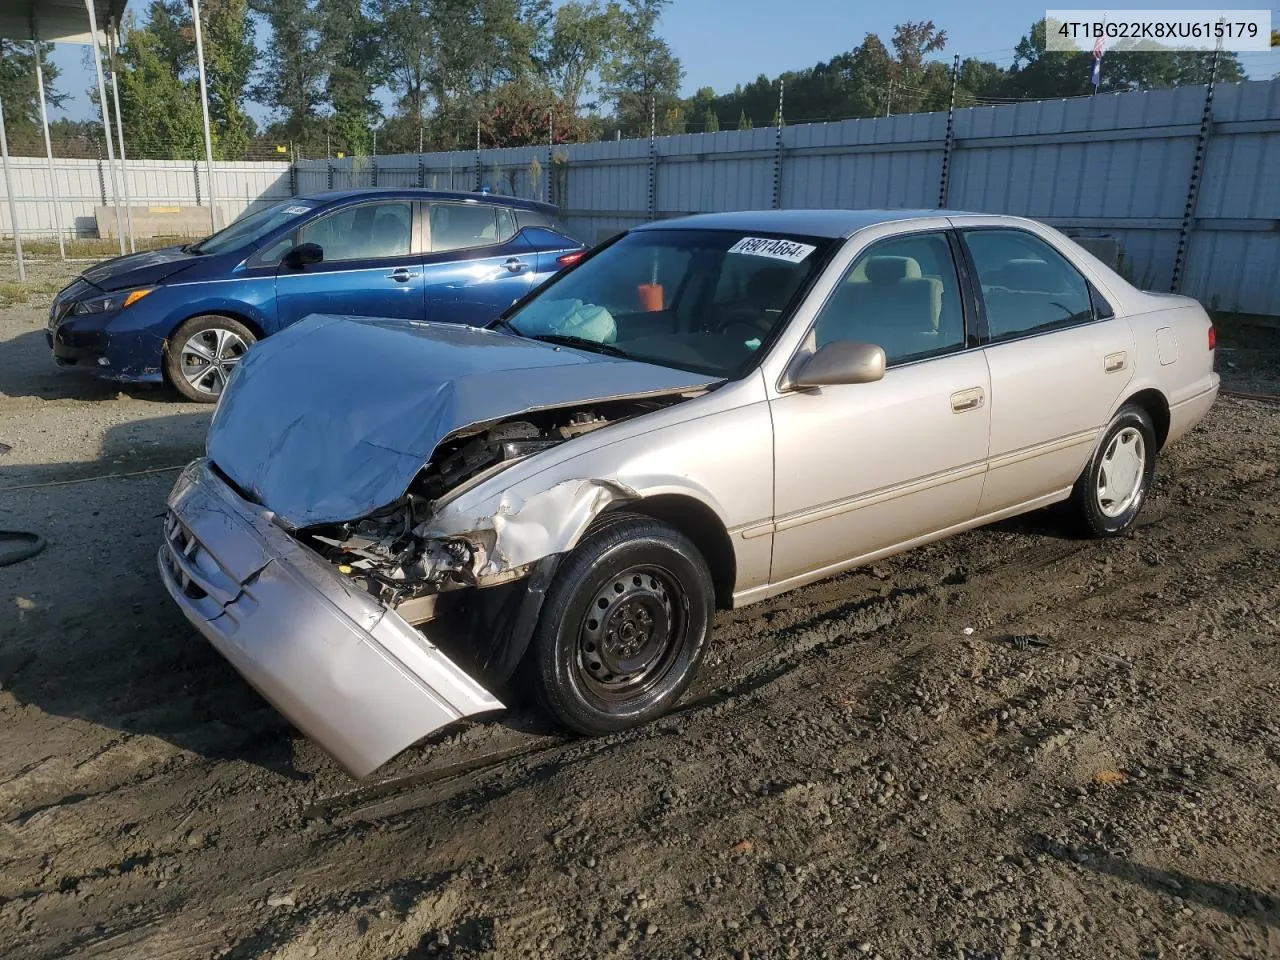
[
  {"x": 333, "y": 417},
  {"x": 139, "y": 269}
]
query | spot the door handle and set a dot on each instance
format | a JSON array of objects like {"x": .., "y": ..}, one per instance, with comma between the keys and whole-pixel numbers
[
  {"x": 970, "y": 399},
  {"x": 1113, "y": 362},
  {"x": 402, "y": 274},
  {"x": 515, "y": 264}
]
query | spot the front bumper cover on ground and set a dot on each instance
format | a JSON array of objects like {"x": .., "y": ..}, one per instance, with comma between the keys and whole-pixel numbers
[{"x": 349, "y": 673}]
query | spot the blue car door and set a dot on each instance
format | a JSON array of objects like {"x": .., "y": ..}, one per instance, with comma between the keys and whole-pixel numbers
[
  {"x": 371, "y": 265},
  {"x": 555, "y": 250},
  {"x": 477, "y": 265}
]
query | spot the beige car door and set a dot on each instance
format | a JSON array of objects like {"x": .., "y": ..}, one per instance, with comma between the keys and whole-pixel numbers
[
  {"x": 1058, "y": 359},
  {"x": 861, "y": 468}
]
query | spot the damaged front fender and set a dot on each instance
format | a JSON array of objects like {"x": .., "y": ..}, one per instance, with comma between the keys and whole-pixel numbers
[{"x": 527, "y": 528}]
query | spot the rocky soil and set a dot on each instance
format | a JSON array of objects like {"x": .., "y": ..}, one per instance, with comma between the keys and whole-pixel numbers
[{"x": 1009, "y": 744}]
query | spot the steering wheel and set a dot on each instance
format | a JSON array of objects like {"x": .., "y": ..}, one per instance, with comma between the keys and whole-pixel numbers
[{"x": 746, "y": 321}]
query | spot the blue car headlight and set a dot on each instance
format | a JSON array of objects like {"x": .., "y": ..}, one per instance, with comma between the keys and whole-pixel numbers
[{"x": 117, "y": 300}]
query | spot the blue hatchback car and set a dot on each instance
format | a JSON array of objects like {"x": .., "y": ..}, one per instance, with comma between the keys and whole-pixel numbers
[{"x": 186, "y": 315}]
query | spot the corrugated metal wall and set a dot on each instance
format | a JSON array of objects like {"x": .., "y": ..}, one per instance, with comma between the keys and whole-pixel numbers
[
  {"x": 83, "y": 185},
  {"x": 1117, "y": 165}
]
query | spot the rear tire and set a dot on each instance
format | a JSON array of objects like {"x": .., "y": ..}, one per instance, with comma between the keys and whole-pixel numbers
[
  {"x": 624, "y": 628},
  {"x": 1115, "y": 483},
  {"x": 200, "y": 355}
]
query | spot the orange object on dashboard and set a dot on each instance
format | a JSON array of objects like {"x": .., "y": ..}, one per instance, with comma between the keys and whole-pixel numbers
[{"x": 650, "y": 297}]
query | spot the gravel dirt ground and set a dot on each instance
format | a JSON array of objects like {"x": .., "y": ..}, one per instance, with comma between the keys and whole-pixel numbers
[{"x": 1009, "y": 744}]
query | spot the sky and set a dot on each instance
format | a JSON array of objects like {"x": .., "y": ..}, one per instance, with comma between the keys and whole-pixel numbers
[{"x": 721, "y": 43}]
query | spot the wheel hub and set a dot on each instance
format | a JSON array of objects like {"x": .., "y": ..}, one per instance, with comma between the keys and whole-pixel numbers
[
  {"x": 627, "y": 631},
  {"x": 208, "y": 358},
  {"x": 1122, "y": 472}
]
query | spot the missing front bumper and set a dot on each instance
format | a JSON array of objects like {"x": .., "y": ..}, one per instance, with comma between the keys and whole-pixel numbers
[{"x": 349, "y": 673}]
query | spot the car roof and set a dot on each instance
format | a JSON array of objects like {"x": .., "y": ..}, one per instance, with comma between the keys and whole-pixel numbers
[
  {"x": 813, "y": 223},
  {"x": 417, "y": 193}
]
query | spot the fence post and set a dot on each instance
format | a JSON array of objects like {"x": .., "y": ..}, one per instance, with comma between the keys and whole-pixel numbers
[
  {"x": 777, "y": 155},
  {"x": 195, "y": 175},
  {"x": 293, "y": 179},
  {"x": 949, "y": 144},
  {"x": 373, "y": 170},
  {"x": 328, "y": 173},
  {"x": 1193, "y": 185},
  {"x": 422, "y": 172},
  {"x": 102, "y": 176},
  {"x": 653, "y": 159},
  {"x": 479, "y": 181}
]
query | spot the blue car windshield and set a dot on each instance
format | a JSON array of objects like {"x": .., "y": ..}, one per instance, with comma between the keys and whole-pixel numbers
[
  {"x": 253, "y": 227},
  {"x": 698, "y": 300}
]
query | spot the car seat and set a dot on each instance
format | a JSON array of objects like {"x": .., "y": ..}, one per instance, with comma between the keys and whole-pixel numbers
[{"x": 886, "y": 301}]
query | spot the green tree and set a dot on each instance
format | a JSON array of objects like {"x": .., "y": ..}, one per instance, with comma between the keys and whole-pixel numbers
[
  {"x": 159, "y": 108},
  {"x": 19, "y": 94},
  {"x": 744, "y": 122},
  {"x": 292, "y": 73},
  {"x": 710, "y": 122},
  {"x": 581, "y": 35},
  {"x": 642, "y": 73},
  {"x": 918, "y": 85},
  {"x": 229, "y": 54},
  {"x": 347, "y": 44},
  {"x": 407, "y": 63},
  {"x": 978, "y": 79}
]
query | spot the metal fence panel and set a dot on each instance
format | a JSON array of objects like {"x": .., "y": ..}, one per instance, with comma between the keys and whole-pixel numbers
[
  {"x": 83, "y": 185},
  {"x": 1117, "y": 165}
]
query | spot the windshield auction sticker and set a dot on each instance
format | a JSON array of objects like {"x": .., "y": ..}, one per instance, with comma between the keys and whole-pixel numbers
[{"x": 787, "y": 250}]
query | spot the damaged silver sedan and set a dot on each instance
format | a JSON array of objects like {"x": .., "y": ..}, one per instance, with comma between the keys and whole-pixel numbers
[{"x": 398, "y": 523}]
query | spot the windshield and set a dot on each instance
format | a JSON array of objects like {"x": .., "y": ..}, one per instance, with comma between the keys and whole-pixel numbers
[
  {"x": 700, "y": 300},
  {"x": 252, "y": 227}
]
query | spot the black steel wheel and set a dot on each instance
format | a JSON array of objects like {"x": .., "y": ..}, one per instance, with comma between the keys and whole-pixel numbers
[{"x": 624, "y": 627}]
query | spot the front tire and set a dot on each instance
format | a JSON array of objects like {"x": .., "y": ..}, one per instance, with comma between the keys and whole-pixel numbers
[
  {"x": 624, "y": 628},
  {"x": 1110, "y": 492},
  {"x": 199, "y": 357}
]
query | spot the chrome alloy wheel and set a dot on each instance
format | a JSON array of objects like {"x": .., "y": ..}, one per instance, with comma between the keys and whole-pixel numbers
[{"x": 208, "y": 358}]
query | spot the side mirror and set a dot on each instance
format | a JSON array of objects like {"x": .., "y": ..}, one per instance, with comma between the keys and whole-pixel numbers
[
  {"x": 303, "y": 254},
  {"x": 841, "y": 362}
]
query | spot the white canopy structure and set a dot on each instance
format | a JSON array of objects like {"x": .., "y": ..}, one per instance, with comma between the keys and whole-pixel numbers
[{"x": 96, "y": 23}]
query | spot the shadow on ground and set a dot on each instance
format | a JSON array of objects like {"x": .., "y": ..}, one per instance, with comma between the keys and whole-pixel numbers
[
  {"x": 90, "y": 633},
  {"x": 27, "y": 370},
  {"x": 1229, "y": 898}
]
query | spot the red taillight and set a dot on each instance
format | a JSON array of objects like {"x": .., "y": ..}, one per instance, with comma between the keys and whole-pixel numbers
[
  {"x": 1213, "y": 337},
  {"x": 569, "y": 259}
]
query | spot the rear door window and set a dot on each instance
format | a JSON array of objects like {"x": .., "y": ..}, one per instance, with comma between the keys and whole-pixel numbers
[
  {"x": 460, "y": 226},
  {"x": 1027, "y": 285}
]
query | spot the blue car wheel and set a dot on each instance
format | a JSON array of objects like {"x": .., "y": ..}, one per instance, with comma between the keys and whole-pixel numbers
[{"x": 201, "y": 354}]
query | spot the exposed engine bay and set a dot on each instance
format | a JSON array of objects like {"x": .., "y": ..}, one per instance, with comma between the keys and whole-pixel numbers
[{"x": 389, "y": 553}]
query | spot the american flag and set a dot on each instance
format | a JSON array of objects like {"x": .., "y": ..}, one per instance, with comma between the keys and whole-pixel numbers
[{"x": 1098, "y": 46}]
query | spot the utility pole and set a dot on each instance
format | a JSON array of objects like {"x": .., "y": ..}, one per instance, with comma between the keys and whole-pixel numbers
[
  {"x": 106, "y": 120},
  {"x": 113, "y": 46},
  {"x": 204, "y": 107},
  {"x": 55, "y": 203}
]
